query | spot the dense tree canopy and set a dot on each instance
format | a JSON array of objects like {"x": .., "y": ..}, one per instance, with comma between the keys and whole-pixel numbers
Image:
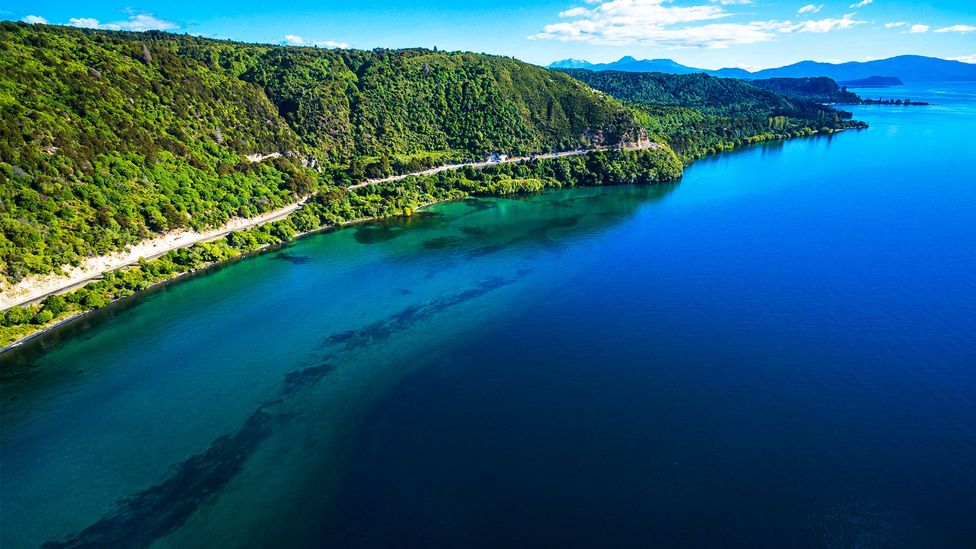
[
  {"x": 107, "y": 138},
  {"x": 820, "y": 89},
  {"x": 698, "y": 114}
]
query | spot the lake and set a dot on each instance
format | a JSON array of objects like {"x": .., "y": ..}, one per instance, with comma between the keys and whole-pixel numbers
[{"x": 779, "y": 350}]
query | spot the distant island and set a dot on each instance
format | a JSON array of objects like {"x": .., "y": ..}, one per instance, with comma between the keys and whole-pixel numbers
[
  {"x": 873, "y": 82},
  {"x": 883, "y": 101},
  {"x": 908, "y": 68}
]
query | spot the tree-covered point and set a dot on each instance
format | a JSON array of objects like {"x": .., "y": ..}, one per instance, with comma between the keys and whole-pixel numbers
[
  {"x": 820, "y": 89},
  {"x": 698, "y": 114},
  {"x": 108, "y": 138}
]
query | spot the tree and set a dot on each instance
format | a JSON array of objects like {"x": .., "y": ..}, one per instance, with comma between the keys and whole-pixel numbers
[
  {"x": 56, "y": 304},
  {"x": 43, "y": 317},
  {"x": 17, "y": 315}
]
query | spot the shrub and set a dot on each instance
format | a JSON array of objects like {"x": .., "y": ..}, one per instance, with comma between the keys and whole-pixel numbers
[
  {"x": 56, "y": 304},
  {"x": 17, "y": 315},
  {"x": 43, "y": 317}
]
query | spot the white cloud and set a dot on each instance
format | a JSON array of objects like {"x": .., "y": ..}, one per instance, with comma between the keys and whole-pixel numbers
[
  {"x": 142, "y": 22},
  {"x": 87, "y": 22},
  {"x": 861, "y": 4},
  {"x": 748, "y": 67},
  {"x": 657, "y": 23},
  {"x": 964, "y": 58},
  {"x": 295, "y": 40},
  {"x": 34, "y": 20},
  {"x": 957, "y": 28},
  {"x": 332, "y": 44},
  {"x": 824, "y": 25},
  {"x": 895, "y": 24},
  {"x": 730, "y": 2},
  {"x": 136, "y": 22},
  {"x": 809, "y": 8},
  {"x": 915, "y": 29}
]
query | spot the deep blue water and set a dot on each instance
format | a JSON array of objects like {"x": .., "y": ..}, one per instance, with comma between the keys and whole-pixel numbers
[{"x": 780, "y": 350}]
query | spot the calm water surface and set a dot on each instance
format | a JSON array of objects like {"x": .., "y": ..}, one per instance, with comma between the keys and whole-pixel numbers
[{"x": 777, "y": 351}]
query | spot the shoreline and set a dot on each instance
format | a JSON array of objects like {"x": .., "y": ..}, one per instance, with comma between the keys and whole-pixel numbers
[
  {"x": 33, "y": 289},
  {"x": 268, "y": 247},
  {"x": 41, "y": 286}
]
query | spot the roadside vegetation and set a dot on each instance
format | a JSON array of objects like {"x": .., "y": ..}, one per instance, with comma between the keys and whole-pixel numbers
[{"x": 335, "y": 206}]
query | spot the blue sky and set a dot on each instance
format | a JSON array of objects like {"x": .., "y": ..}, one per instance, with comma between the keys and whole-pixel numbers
[{"x": 701, "y": 33}]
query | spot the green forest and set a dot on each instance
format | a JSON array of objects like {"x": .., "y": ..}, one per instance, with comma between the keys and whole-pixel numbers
[
  {"x": 698, "y": 114},
  {"x": 820, "y": 89},
  {"x": 108, "y": 138}
]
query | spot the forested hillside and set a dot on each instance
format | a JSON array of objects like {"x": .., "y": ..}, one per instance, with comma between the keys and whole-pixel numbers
[
  {"x": 107, "y": 138},
  {"x": 820, "y": 89},
  {"x": 698, "y": 114},
  {"x": 696, "y": 91}
]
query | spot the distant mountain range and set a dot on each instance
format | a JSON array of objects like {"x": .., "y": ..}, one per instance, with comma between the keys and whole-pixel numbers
[{"x": 909, "y": 68}]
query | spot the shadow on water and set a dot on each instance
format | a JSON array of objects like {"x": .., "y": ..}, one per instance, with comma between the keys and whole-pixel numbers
[
  {"x": 383, "y": 329},
  {"x": 768, "y": 150},
  {"x": 384, "y": 230},
  {"x": 537, "y": 220},
  {"x": 140, "y": 519},
  {"x": 291, "y": 258},
  {"x": 441, "y": 242},
  {"x": 479, "y": 204}
]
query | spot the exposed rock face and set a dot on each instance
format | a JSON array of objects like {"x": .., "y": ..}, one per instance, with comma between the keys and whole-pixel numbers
[{"x": 258, "y": 157}]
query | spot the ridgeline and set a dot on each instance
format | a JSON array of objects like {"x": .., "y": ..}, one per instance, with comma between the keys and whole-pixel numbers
[{"x": 698, "y": 114}]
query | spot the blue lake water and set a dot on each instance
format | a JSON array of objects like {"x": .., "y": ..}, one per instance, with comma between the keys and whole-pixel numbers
[{"x": 779, "y": 350}]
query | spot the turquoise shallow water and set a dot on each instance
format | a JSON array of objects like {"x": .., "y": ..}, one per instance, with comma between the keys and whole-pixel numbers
[{"x": 777, "y": 351}]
